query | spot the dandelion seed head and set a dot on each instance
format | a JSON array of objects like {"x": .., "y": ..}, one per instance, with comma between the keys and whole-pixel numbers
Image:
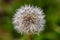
[{"x": 29, "y": 19}]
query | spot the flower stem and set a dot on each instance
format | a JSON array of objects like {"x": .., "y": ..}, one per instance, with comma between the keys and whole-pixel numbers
[{"x": 29, "y": 36}]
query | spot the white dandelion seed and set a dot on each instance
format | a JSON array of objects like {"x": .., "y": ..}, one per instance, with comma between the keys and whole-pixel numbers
[{"x": 29, "y": 19}]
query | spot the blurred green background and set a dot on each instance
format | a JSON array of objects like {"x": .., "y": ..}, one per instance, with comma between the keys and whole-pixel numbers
[{"x": 51, "y": 9}]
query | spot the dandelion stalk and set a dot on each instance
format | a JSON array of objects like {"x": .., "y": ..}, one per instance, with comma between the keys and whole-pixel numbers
[{"x": 29, "y": 36}]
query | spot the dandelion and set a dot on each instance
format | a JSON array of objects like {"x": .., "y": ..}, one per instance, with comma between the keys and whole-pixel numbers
[{"x": 29, "y": 20}]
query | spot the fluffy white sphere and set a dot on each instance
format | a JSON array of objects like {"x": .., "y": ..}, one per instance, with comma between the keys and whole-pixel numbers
[{"x": 29, "y": 19}]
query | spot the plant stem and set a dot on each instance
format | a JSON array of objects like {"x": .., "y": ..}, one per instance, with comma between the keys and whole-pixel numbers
[{"x": 29, "y": 36}]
